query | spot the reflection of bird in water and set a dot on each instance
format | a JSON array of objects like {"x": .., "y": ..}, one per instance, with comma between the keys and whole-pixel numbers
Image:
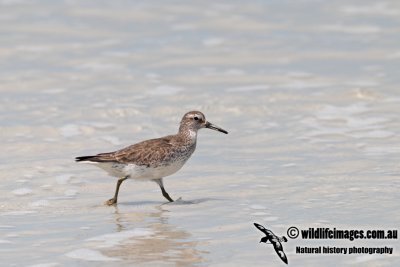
[
  {"x": 274, "y": 240},
  {"x": 168, "y": 244}
]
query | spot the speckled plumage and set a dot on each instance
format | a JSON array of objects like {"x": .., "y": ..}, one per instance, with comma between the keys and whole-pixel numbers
[
  {"x": 150, "y": 153},
  {"x": 155, "y": 158}
]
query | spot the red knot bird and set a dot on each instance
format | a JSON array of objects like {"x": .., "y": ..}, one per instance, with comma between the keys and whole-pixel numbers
[{"x": 153, "y": 159}]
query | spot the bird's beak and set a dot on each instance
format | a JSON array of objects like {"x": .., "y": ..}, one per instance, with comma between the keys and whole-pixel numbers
[{"x": 209, "y": 125}]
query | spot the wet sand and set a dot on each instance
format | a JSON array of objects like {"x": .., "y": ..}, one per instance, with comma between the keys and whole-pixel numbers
[{"x": 308, "y": 91}]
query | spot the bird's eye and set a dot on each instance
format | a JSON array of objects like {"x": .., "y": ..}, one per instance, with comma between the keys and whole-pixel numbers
[{"x": 196, "y": 118}]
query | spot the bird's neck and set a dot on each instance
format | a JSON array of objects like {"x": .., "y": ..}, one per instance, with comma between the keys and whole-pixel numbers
[{"x": 189, "y": 134}]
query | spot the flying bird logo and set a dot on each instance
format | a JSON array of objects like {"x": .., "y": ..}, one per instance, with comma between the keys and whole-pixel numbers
[{"x": 274, "y": 240}]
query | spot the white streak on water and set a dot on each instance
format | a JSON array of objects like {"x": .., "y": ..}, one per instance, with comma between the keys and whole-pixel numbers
[
  {"x": 70, "y": 193},
  {"x": 351, "y": 29},
  {"x": 373, "y": 9},
  {"x": 63, "y": 178},
  {"x": 40, "y": 203},
  {"x": 257, "y": 207},
  {"x": 248, "y": 88},
  {"x": 211, "y": 42},
  {"x": 22, "y": 191},
  {"x": 46, "y": 186},
  {"x": 7, "y": 226},
  {"x": 259, "y": 213},
  {"x": 18, "y": 212},
  {"x": 49, "y": 264},
  {"x": 366, "y": 258},
  {"x": 270, "y": 219},
  {"x": 70, "y": 130},
  {"x": 89, "y": 255}
]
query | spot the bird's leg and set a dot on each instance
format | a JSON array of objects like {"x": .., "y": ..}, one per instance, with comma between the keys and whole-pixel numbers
[
  {"x": 165, "y": 194},
  {"x": 113, "y": 200}
]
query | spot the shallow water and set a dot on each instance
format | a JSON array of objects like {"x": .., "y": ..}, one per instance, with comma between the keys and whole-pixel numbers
[{"x": 308, "y": 91}]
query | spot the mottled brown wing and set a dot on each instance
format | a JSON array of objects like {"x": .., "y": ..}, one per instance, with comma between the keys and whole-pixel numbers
[{"x": 147, "y": 152}]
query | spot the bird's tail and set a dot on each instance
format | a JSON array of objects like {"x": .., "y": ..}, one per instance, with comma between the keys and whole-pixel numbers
[
  {"x": 102, "y": 157},
  {"x": 85, "y": 158}
]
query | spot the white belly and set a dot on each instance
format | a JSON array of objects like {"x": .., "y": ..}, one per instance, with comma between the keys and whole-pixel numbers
[
  {"x": 143, "y": 172},
  {"x": 140, "y": 172}
]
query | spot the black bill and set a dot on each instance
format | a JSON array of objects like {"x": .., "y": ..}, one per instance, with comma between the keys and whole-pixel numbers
[{"x": 209, "y": 125}]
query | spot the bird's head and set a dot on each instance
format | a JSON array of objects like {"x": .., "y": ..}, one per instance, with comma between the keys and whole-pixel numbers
[{"x": 195, "y": 120}]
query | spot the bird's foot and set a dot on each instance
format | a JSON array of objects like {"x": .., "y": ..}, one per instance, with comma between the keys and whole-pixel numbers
[
  {"x": 111, "y": 202},
  {"x": 179, "y": 200}
]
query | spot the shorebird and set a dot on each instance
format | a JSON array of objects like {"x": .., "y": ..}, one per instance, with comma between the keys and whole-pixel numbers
[
  {"x": 274, "y": 240},
  {"x": 153, "y": 159}
]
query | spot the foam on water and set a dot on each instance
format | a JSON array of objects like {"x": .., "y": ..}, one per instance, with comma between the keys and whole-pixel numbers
[
  {"x": 70, "y": 193},
  {"x": 22, "y": 191},
  {"x": 347, "y": 120},
  {"x": 47, "y": 264},
  {"x": 64, "y": 179},
  {"x": 308, "y": 92},
  {"x": 89, "y": 255},
  {"x": 40, "y": 203}
]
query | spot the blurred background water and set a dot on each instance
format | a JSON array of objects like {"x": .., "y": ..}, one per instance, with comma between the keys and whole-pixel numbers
[{"x": 307, "y": 89}]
